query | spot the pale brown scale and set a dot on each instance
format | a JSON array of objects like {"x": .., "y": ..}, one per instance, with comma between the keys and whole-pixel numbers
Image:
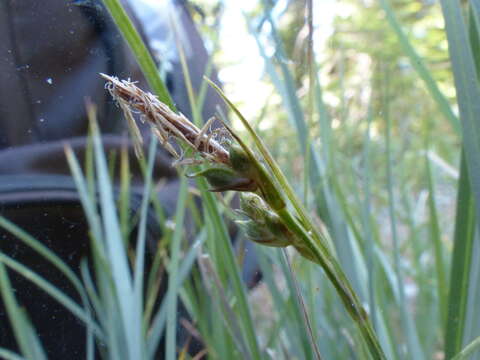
[{"x": 165, "y": 121}]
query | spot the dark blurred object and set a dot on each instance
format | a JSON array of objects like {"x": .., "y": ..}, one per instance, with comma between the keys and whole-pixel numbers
[{"x": 51, "y": 53}]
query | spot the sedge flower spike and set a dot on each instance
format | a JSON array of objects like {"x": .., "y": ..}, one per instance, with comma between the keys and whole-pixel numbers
[{"x": 228, "y": 165}]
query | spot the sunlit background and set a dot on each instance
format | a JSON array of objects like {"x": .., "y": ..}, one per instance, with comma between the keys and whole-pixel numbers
[
  {"x": 363, "y": 241},
  {"x": 366, "y": 77},
  {"x": 372, "y": 109}
]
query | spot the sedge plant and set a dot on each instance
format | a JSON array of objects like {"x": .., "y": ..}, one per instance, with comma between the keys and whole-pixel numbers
[
  {"x": 271, "y": 215},
  {"x": 264, "y": 193}
]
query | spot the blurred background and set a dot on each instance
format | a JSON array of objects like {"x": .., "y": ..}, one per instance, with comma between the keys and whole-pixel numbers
[
  {"x": 356, "y": 101},
  {"x": 367, "y": 105}
]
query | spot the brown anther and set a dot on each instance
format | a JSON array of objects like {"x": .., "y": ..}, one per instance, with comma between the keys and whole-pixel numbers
[{"x": 166, "y": 122}]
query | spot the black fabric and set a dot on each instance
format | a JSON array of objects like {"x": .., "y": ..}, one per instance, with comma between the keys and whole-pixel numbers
[
  {"x": 51, "y": 53},
  {"x": 63, "y": 231},
  {"x": 52, "y": 201}
]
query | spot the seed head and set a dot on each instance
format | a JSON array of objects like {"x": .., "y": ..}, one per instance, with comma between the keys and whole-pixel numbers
[{"x": 165, "y": 123}]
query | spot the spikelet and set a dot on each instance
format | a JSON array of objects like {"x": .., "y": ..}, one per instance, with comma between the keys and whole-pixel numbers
[
  {"x": 229, "y": 169},
  {"x": 165, "y": 123}
]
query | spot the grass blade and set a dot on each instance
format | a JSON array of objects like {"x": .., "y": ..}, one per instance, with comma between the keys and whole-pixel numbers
[
  {"x": 229, "y": 264},
  {"x": 468, "y": 350},
  {"x": 468, "y": 93},
  {"x": 144, "y": 59},
  {"x": 9, "y": 355},
  {"x": 326, "y": 204},
  {"x": 142, "y": 226},
  {"x": 229, "y": 317},
  {"x": 158, "y": 324},
  {"x": 435, "y": 235},
  {"x": 370, "y": 244},
  {"x": 170, "y": 349},
  {"x": 418, "y": 64},
  {"x": 45, "y": 253},
  {"x": 53, "y": 291},
  {"x": 22, "y": 328},
  {"x": 307, "y": 321},
  {"x": 116, "y": 253},
  {"x": 413, "y": 345}
]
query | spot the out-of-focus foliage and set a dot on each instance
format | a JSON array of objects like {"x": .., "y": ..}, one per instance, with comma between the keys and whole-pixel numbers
[
  {"x": 365, "y": 58},
  {"x": 368, "y": 139},
  {"x": 364, "y": 73}
]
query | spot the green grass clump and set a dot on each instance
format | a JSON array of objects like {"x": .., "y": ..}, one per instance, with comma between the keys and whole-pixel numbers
[{"x": 385, "y": 234}]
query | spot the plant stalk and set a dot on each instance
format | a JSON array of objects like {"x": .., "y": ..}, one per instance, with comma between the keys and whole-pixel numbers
[{"x": 340, "y": 282}]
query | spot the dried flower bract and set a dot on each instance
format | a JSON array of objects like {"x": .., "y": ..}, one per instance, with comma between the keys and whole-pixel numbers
[{"x": 165, "y": 123}]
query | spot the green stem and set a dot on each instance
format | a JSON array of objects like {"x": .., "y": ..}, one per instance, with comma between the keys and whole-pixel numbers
[
  {"x": 468, "y": 350},
  {"x": 238, "y": 285},
  {"x": 461, "y": 263},
  {"x": 340, "y": 282},
  {"x": 316, "y": 242}
]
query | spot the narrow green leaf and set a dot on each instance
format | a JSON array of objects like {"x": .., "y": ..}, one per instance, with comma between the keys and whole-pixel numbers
[
  {"x": 144, "y": 59},
  {"x": 170, "y": 350},
  {"x": 225, "y": 247},
  {"x": 468, "y": 350},
  {"x": 142, "y": 229},
  {"x": 45, "y": 252},
  {"x": 468, "y": 93},
  {"x": 53, "y": 291},
  {"x": 318, "y": 175},
  {"x": 414, "y": 348},
  {"x": 229, "y": 317},
  {"x": 9, "y": 355},
  {"x": 292, "y": 314},
  {"x": 310, "y": 340},
  {"x": 366, "y": 220},
  {"x": 159, "y": 320},
  {"x": 116, "y": 253},
  {"x": 20, "y": 325},
  {"x": 124, "y": 197},
  {"x": 435, "y": 235},
  {"x": 418, "y": 64}
]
